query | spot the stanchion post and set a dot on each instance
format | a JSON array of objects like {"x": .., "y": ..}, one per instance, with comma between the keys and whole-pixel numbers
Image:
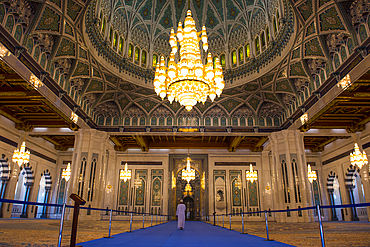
[
  {"x": 321, "y": 228},
  {"x": 217, "y": 220},
  {"x": 156, "y": 219},
  {"x": 143, "y": 220},
  {"x": 151, "y": 221},
  {"x": 230, "y": 220},
  {"x": 242, "y": 223},
  {"x": 130, "y": 223},
  {"x": 267, "y": 228},
  {"x": 223, "y": 221},
  {"x": 61, "y": 225},
  {"x": 110, "y": 223},
  {"x": 214, "y": 218}
]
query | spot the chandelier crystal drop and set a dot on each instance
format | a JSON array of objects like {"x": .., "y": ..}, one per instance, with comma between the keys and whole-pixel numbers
[
  {"x": 251, "y": 175},
  {"x": 311, "y": 174},
  {"x": 66, "y": 173},
  {"x": 21, "y": 156},
  {"x": 357, "y": 158},
  {"x": 125, "y": 174},
  {"x": 188, "y": 81},
  {"x": 188, "y": 174}
]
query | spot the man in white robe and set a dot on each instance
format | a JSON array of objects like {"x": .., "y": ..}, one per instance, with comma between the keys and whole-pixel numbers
[{"x": 181, "y": 215}]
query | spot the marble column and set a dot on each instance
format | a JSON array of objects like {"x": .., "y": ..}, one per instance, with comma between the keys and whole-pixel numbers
[
  {"x": 290, "y": 184},
  {"x": 88, "y": 173}
]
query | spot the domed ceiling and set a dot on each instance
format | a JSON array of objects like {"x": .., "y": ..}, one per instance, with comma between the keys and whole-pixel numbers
[{"x": 304, "y": 44}]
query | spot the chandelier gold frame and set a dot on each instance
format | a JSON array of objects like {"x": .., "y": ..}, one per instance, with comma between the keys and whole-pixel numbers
[
  {"x": 188, "y": 81},
  {"x": 66, "y": 173},
  {"x": 312, "y": 176},
  {"x": 251, "y": 175},
  {"x": 21, "y": 156},
  {"x": 357, "y": 158}
]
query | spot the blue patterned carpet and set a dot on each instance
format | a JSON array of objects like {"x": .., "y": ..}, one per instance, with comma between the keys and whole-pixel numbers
[{"x": 195, "y": 234}]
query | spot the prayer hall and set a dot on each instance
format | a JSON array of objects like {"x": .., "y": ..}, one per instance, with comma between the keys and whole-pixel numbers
[{"x": 254, "y": 113}]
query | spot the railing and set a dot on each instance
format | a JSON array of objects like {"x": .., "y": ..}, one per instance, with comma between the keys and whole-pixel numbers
[
  {"x": 154, "y": 218},
  {"x": 317, "y": 208}
]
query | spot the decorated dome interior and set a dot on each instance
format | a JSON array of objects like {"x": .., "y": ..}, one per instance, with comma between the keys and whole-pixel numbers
[{"x": 276, "y": 54}]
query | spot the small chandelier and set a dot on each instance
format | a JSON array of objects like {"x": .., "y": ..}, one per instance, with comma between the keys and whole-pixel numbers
[
  {"x": 188, "y": 81},
  {"x": 66, "y": 173},
  {"x": 311, "y": 174},
  {"x": 21, "y": 156},
  {"x": 357, "y": 158},
  {"x": 251, "y": 175},
  {"x": 188, "y": 174},
  {"x": 125, "y": 174}
]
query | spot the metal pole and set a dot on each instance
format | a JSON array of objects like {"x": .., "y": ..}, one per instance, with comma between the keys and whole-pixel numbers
[
  {"x": 217, "y": 219},
  {"x": 267, "y": 228},
  {"x": 242, "y": 223},
  {"x": 143, "y": 220},
  {"x": 61, "y": 225},
  {"x": 223, "y": 221},
  {"x": 230, "y": 220},
  {"x": 321, "y": 229},
  {"x": 151, "y": 221},
  {"x": 131, "y": 223},
  {"x": 156, "y": 219},
  {"x": 110, "y": 222}
]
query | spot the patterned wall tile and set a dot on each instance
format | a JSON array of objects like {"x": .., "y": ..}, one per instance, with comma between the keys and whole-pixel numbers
[
  {"x": 95, "y": 86},
  {"x": 211, "y": 21},
  {"x": 296, "y": 53},
  {"x": 310, "y": 29},
  {"x": 296, "y": 69},
  {"x": 306, "y": 9},
  {"x": 107, "y": 96},
  {"x": 230, "y": 104},
  {"x": 111, "y": 79},
  {"x": 267, "y": 79},
  {"x": 123, "y": 102},
  {"x": 66, "y": 48},
  {"x": 81, "y": 69},
  {"x": 68, "y": 29},
  {"x": 146, "y": 10},
  {"x": 330, "y": 20},
  {"x": 283, "y": 86},
  {"x": 83, "y": 53},
  {"x": 73, "y": 9},
  {"x": 147, "y": 104},
  {"x": 232, "y": 10},
  {"x": 175, "y": 106},
  {"x": 166, "y": 20},
  {"x": 57, "y": 3},
  {"x": 49, "y": 21},
  {"x": 272, "y": 97},
  {"x": 313, "y": 48},
  {"x": 254, "y": 102}
]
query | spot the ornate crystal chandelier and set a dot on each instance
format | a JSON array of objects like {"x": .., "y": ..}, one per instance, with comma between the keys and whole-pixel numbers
[
  {"x": 188, "y": 81},
  {"x": 311, "y": 174},
  {"x": 188, "y": 174},
  {"x": 137, "y": 182},
  {"x": 66, "y": 173},
  {"x": 21, "y": 156},
  {"x": 251, "y": 175},
  {"x": 357, "y": 158},
  {"x": 125, "y": 174}
]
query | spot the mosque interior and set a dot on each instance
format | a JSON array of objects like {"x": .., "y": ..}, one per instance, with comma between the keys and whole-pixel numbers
[{"x": 76, "y": 85}]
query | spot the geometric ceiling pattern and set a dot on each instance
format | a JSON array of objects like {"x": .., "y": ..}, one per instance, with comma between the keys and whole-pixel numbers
[{"x": 312, "y": 40}]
